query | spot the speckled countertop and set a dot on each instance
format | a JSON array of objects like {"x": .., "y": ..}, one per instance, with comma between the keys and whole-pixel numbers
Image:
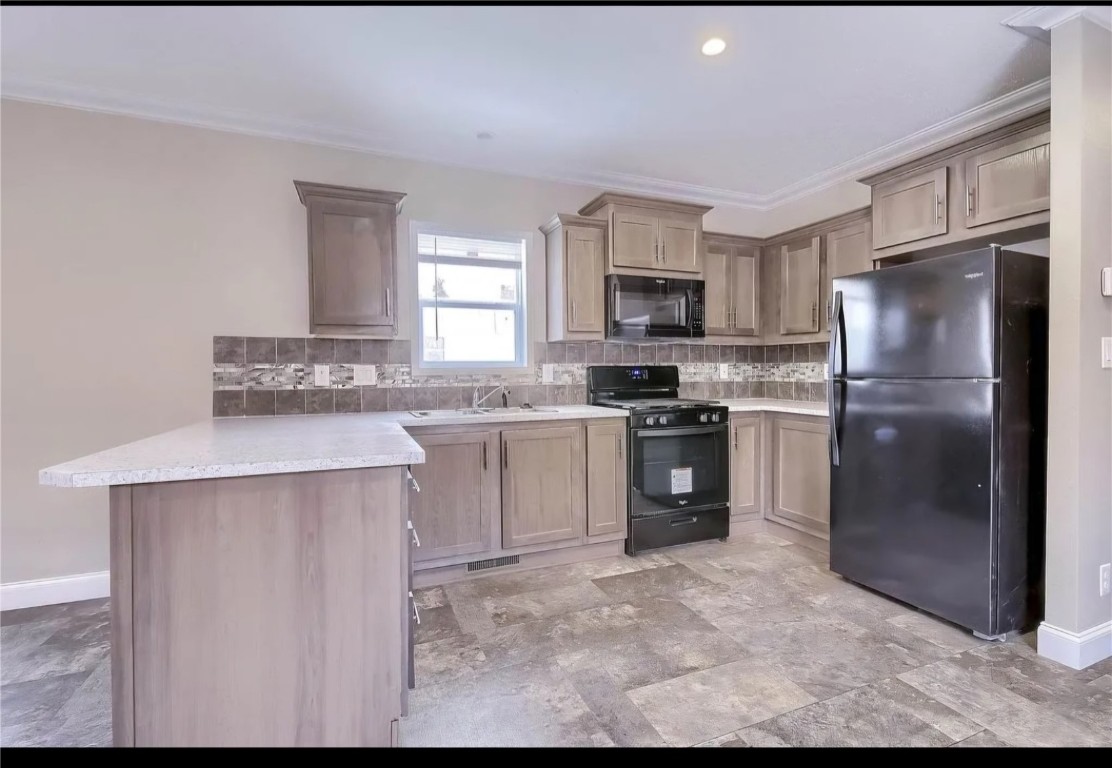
[{"x": 269, "y": 445}]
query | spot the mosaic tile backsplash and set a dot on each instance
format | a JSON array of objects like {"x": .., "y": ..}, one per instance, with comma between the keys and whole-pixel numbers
[{"x": 265, "y": 376}]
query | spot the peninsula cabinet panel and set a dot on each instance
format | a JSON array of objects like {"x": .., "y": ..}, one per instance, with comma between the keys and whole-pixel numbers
[
  {"x": 745, "y": 467},
  {"x": 266, "y": 611},
  {"x": 352, "y": 255},
  {"x": 607, "y": 479},
  {"x": 910, "y": 208},
  {"x": 681, "y": 244},
  {"x": 1010, "y": 179},
  {"x": 801, "y": 474},
  {"x": 799, "y": 286},
  {"x": 452, "y": 514},
  {"x": 543, "y": 495},
  {"x": 636, "y": 241}
]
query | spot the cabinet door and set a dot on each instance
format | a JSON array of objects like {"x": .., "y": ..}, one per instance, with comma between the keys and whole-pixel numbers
[
  {"x": 585, "y": 279},
  {"x": 542, "y": 485},
  {"x": 635, "y": 241},
  {"x": 910, "y": 208},
  {"x": 607, "y": 478},
  {"x": 849, "y": 250},
  {"x": 801, "y": 475},
  {"x": 718, "y": 299},
  {"x": 745, "y": 280},
  {"x": 745, "y": 467},
  {"x": 680, "y": 245},
  {"x": 799, "y": 286},
  {"x": 351, "y": 253},
  {"x": 1008, "y": 181},
  {"x": 452, "y": 513}
]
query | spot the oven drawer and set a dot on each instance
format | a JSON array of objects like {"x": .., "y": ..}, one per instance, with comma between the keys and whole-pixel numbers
[{"x": 678, "y": 528}]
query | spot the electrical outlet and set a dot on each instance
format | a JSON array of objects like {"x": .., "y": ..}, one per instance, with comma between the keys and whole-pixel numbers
[
  {"x": 548, "y": 373},
  {"x": 320, "y": 376},
  {"x": 723, "y": 371},
  {"x": 365, "y": 375},
  {"x": 1105, "y": 579},
  {"x": 826, "y": 371}
]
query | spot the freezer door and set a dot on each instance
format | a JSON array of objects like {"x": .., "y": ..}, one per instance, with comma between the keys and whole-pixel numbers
[
  {"x": 911, "y": 501},
  {"x": 931, "y": 319}
]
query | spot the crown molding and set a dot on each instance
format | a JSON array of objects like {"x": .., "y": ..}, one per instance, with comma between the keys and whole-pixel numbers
[
  {"x": 1037, "y": 20},
  {"x": 1007, "y": 108}
]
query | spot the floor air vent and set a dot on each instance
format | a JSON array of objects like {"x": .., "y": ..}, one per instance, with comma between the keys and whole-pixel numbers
[{"x": 497, "y": 562}]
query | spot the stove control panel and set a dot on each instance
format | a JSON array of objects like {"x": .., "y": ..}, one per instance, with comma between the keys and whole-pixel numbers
[{"x": 686, "y": 417}]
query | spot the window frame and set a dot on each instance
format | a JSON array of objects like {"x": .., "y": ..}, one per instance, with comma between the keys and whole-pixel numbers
[{"x": 521, "y": 363}]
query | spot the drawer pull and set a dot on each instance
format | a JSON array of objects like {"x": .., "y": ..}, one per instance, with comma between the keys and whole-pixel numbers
[
  {"x": 416, "y": 613},
  {"x": 413, "y": 481},
  {"x": 413, "y": 532},
  {"x": 686, "y": 521}
]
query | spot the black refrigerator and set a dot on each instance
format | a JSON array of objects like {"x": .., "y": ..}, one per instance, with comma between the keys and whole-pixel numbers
[{"x": 937, "y": 398}]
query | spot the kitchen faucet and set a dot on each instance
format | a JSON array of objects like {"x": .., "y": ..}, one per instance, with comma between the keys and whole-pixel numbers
[{"x": 476, "y": 401}]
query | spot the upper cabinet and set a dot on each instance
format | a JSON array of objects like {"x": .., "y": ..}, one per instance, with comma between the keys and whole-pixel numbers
[
  {"x": 648, "y": 236},
  {"x": 731, "y": 270},
  {"x": 993, "y": 188},
  {"x": 849, "y": 250},
  {"x": 1008, "y": 179},
  {"x": 352, "y": 258},
  {"x": 910, "y": 208},
  {"x": 799, "y": 285},
  {"x": 576, "y": 263}
]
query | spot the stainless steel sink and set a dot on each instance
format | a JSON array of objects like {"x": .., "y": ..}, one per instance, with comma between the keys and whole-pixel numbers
[{"x": 511, "y": 409}]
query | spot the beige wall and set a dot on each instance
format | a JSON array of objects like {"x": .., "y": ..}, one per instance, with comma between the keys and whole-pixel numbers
[
  {"x": 1079, "y": 475},
  {"x": 127, "y": 244}
]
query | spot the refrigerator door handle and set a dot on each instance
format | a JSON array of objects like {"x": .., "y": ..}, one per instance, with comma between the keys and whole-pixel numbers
[{"x": 837, "y": 333}]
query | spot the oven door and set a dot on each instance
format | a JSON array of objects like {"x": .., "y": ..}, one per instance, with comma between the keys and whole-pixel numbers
[
  {"x": 652, "y": 307},
  {"x": 679, "y": 468}
]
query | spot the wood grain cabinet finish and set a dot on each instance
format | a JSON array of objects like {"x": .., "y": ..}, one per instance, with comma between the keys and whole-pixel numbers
[
  {"x": 1008, "y": 179},
  {"x": 453, "y": 511},
  {"x": 745, "y": 467},
  {"x": 352, "y": 258},
  {"x": 576, "y": 267},
  {"x": 731, "y": 271},
  {"x": 542, "y": 485},
  {"x": 607, "y": 478},
  {"x": 910, "y": 208},
  {"x": 263, "y": 611},
  {"x": 849, "y": 250},
  {"x": 800, "y": 474},
  {"x": 800, "y": 264},
  {"x": 650, "y": 236}
]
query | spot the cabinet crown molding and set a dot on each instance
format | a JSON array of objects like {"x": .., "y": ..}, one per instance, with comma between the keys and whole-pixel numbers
[
  {"x": 820, "y": 227},
  {"x": 307, "y": 189},
  {"x": 725, "y": 238},
  {"x": 636, "y": 201},
  {"x": 570, "y": 219}
]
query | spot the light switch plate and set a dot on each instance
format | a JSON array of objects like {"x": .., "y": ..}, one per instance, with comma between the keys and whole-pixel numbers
[
  {"x": 723, "y": 370},
  {"x": 1106, "y": 352},
  {"x": 1106, "y": 281},
  {"x": 320, "y": 376},
  {"x": 365, "y": 375},
  {"x": 548, "y": 373}
]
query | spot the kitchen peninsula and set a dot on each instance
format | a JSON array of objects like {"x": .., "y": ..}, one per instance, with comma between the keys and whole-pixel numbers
[{"x": 260, "y": 566}]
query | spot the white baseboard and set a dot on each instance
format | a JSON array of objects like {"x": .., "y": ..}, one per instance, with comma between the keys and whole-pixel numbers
[
  {"x": 1076, "y": 650},
  {"x": 65, "y": 589}
]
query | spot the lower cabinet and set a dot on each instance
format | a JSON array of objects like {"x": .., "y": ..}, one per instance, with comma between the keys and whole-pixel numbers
[
  {"x": 452, "y": 513},
  {"x": 745, "y": 467},
  {"x": 800, "y": 473},
  {"x": 542, "y": 485},
  {"x": 607, "y": 488}
]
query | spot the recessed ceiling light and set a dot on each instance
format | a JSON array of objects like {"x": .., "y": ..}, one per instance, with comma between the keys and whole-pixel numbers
[
  {"x": 714, "y": 46},
  {"x": 484, "y": 135}
]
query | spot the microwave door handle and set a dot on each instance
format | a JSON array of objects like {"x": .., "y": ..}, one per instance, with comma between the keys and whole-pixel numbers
[{"x": 690, "y": 294}]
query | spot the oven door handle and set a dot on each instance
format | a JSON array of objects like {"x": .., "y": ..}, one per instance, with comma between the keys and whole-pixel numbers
[{"x": 684, "y": 432}]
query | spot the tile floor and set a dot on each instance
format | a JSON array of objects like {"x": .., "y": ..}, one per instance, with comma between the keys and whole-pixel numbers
[{"x": 748, "y": 643}]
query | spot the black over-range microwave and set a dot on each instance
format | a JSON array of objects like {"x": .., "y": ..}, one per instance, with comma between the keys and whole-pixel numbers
[{"x": 639, "y": 307}]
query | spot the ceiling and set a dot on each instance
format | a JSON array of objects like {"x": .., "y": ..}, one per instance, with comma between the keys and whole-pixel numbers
[{"x": 612, "y": 96}]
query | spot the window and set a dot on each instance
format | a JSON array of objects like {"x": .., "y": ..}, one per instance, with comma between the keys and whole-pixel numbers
[{"x": 470, "y": 296}]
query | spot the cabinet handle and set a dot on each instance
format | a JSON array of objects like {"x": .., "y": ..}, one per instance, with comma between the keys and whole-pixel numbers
[
  {"x": 829, "y": 311},
  {"x": 664, "y": 251},
  {"x": 388, "y": 312},
  {"x": 413, "y": 532},
  {"x": 937, "y": 209},
  {"x": 506, "y": 455},
  {"x": 969, "y": 201},
  {"x": 814, "y": 313},
  {"x": 656, "y": 251},
  {"x": 735, "y": 435},
  {"x": 484, "y": 454},
  {"x": 619, "y": 446},
  {"x": 413, "y": 481},
  {"x": 416, "y": 613},
  {"x": 574, "y": 313}
]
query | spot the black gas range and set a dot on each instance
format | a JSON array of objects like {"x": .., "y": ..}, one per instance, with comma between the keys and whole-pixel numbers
[{"x": 679, "y": 457}]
